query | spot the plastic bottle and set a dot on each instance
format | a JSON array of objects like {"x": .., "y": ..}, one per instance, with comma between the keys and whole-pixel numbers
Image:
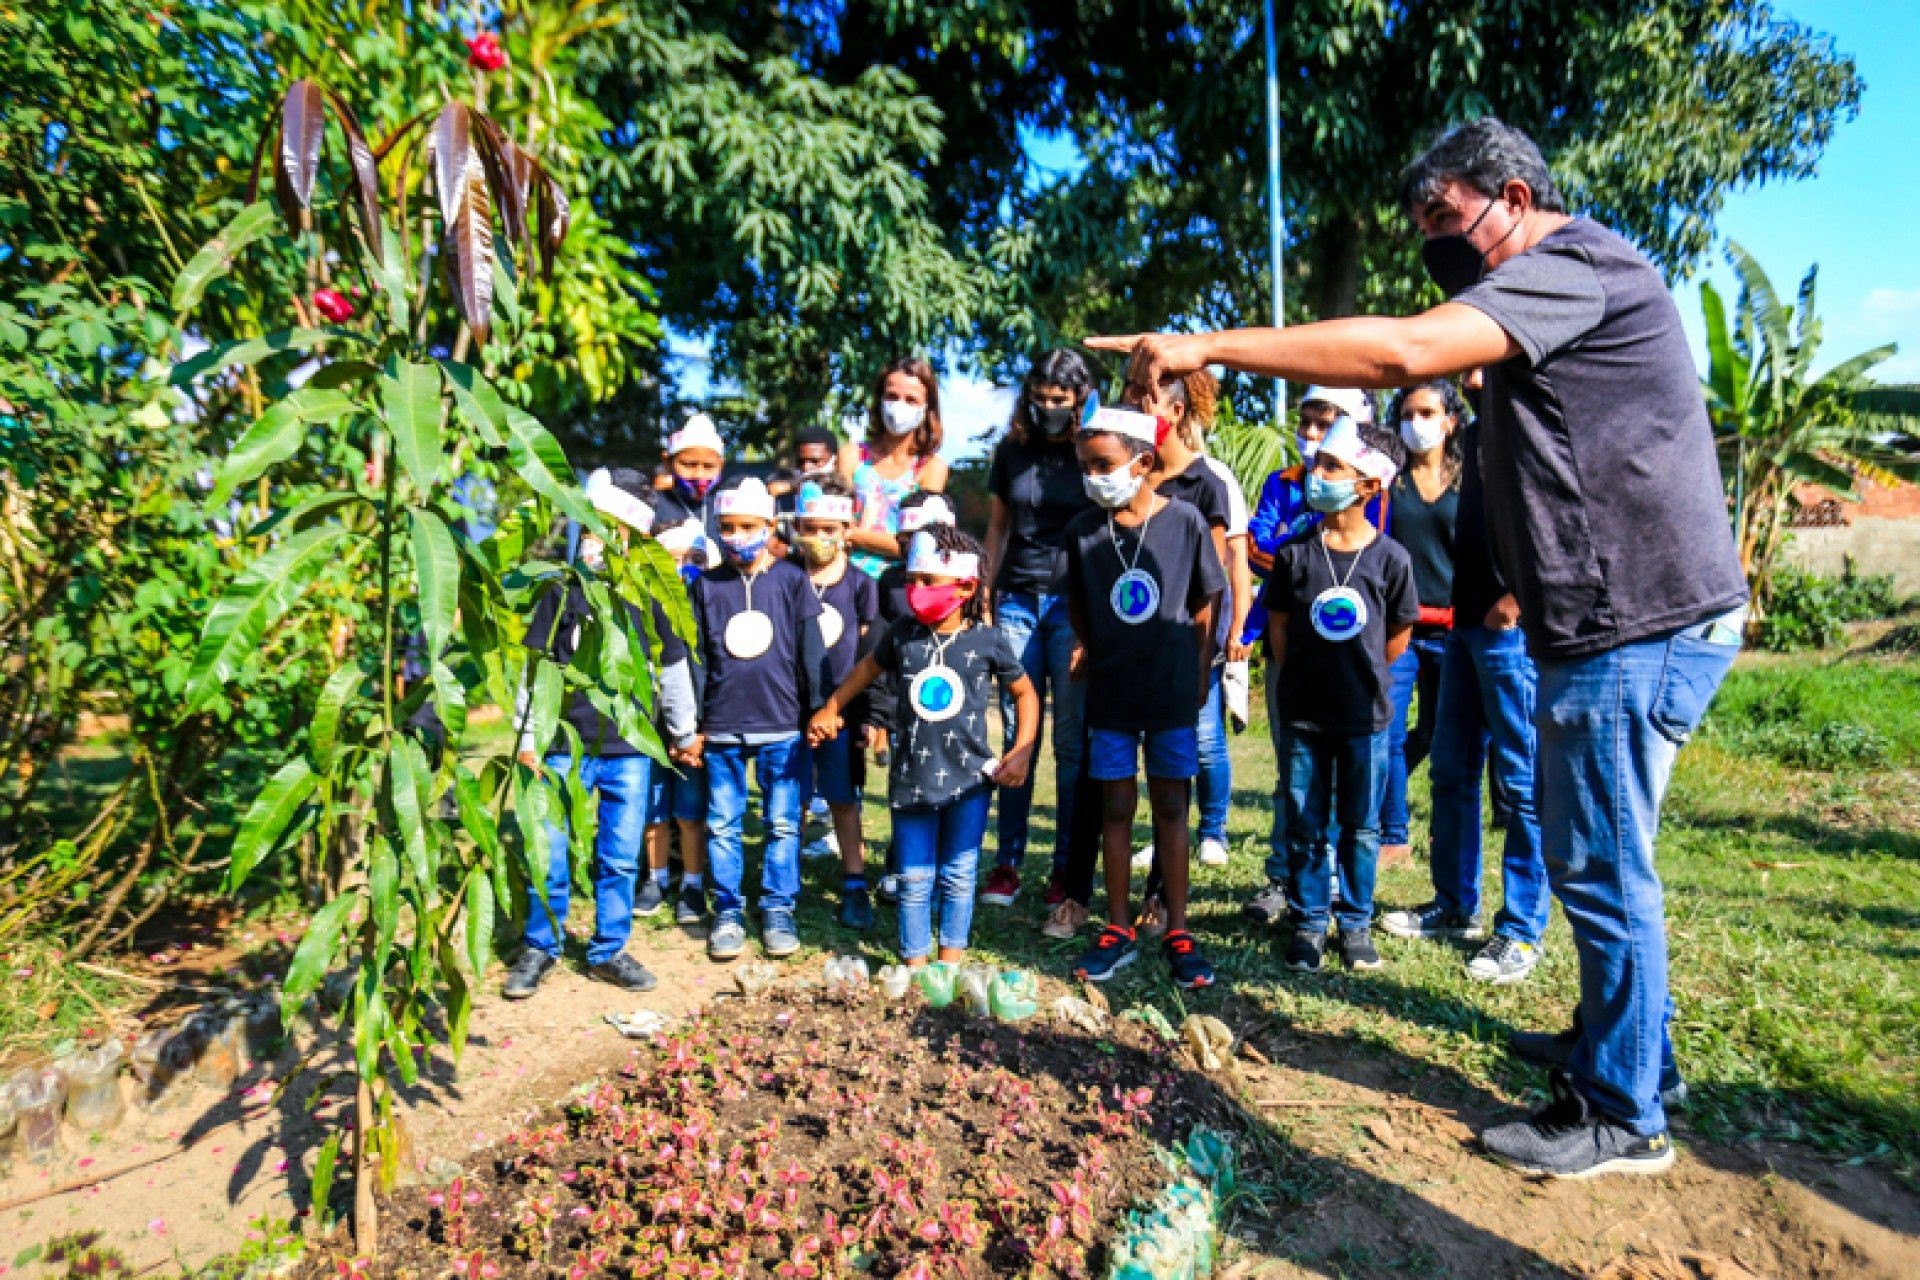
[
  {"x": 752, "y": 979},
  {"x": 1209, "y": 1040},
  {"x": 1015, "y": 996},
  {"x": 219, "y": 1038},
  {"x": 895, "y": 979},
  {"x": 847, "y": 972},
  {"x": 94, "y": 1101},
  {"x": 937, "y": 983},
  {"x": 976, "y": 985},
  {"x": 38, "y": 1095}
]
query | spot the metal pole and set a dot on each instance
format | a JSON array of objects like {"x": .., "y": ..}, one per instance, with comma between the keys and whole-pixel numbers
[{"x": 1276, "y": 215}]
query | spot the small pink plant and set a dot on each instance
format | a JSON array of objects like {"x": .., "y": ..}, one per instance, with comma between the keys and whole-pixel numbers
[{"x": 484, "y": 52}]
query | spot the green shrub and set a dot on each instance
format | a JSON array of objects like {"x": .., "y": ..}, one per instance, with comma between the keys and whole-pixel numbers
[{"x": 1808, "y": 611}]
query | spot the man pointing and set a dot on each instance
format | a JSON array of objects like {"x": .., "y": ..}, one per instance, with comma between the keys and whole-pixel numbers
[{"x": 1606, "y": 511}]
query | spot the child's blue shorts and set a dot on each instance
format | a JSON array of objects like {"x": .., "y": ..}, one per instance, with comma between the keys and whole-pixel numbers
[
  {"x": 677, "y": 796},
  {"x": 1113, "y": 754},
  {"x": 834, "y": 768}
]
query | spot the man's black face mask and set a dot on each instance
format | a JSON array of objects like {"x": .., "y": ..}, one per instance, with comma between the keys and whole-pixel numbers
[{"x": 1452, "y": 262}]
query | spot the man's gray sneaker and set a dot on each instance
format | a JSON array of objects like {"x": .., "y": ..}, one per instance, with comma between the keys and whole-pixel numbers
[
  {"x": 1269, "y": 906},
  {"x": 1554, "y": 1049},
  {"x": 1431, "y": 920},
  {"x": 778, "y": 938},
  {"x": 727, "y": 939},
  {"x": 625, "y": 972},
  {"x": 1504, "y": 961},
  {"x": 691, "y": 907},
  {"x": 1569, "y": 1139},
  {"x": 648, "y": 898},
  {"x": 1357, "y": 949},
  {"x": 524, "y": 975}
]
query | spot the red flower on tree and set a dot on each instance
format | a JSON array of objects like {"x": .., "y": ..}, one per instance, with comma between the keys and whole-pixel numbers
[
  {"x": 484, "y": 52},
  {"x": 333, "y": 305}
]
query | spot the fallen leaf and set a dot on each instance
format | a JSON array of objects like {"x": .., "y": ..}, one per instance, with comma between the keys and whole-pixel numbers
[{"x": 1382, "y": 1130}]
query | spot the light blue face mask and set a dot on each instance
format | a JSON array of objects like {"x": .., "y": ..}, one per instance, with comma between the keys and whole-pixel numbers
[
  {"x": 744, "y": 548},
  {"x": 1330, "y": 495}
]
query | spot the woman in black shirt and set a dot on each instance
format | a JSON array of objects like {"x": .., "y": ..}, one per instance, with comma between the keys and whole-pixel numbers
[
  {"x": 1035, "y": 489},
  {"x": 1423, "y": 503}
]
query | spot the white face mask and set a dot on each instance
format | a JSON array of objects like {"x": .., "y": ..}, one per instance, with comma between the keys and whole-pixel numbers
[
  {"x": 1309, "y": 449},
  {"x": 1423, "y": 433},
  {"x": 593, "y": 552},
  {"x": 1115, "y": 489},
  {"x": 902, "y": 418}
]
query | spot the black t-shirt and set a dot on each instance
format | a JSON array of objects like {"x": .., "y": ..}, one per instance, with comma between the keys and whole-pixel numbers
[
  {"x": 1339, "y": 687},
  {"x": 1041, "y": 485},
  {"x": 1206, "y": 492},
  {"x": 672, "y": 506},
  {"x": 762, "y": 694},
  {"x": 1602, "y": 490},
  {"x": 1425, "y": 529},
  {"x": 857, "y": 600},
  {"x": 1477, "y": 583},
  {"x": 559, "y": 637},
  {"x": 1143, "y": 675},
  {"x": 935, "y": 760}
]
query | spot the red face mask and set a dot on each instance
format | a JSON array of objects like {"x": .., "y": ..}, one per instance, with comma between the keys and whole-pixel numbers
[{"x": 934, "y": 604}]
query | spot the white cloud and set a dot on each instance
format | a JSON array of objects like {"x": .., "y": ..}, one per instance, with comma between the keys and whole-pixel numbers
[
  {"x": 974, "y": 413},
  {"x": 1886, "y": 302}
]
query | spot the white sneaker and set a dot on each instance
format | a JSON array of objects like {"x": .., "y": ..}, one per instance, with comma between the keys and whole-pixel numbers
[
  {"x": 1503, "y": 961},
  {"x": 817, "y": 808},
  {"x": 1213, "y": 853},
  {"x": 827, "y": 846},
  {"x": 1144, "y": 858}
]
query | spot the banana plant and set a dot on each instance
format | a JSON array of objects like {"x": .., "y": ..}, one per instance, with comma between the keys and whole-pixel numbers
[
  {"x": 1786, "y": 424},
  {"x": 438, "y": 223}
]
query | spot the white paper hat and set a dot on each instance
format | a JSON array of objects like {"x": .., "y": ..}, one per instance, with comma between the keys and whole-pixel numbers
[
  {"x": 1343, "y": 441},
  {"x": 748, "y": 498},
  {"x": 924, "y": 556},
  {"x": 935, "y": 510},
  {"x": 698, "y": 433},
  {"x": 1348, "y": 400},
  {"x": 1143, "y": 427},
  {"x": 681, "y": 537},
  {"x": 609, "y": 499},
  {"x": 817, "y": 504}
]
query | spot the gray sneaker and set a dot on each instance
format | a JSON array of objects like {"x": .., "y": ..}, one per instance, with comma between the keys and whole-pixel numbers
[
  {"x": 649, "y": 897},
  {"x": 625, "y": 972},
  {"x": 526, "y": 972},
  {"x": 727, "y": 939},
  {"x": 1269, "y": 906},
  {"x": 778, "y": 938},
  {"x": 1504, "y": 961},
  {"x": 691, "y": 908},
  {"x": 1431, "y": 920},
  {"x": 1569, "y": 1139}
]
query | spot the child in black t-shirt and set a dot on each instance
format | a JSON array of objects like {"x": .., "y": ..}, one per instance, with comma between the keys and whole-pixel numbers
[
  {"x": 1341, "y": 607},
  {"x": 947, "y": 657},
  {"x": 1143, "y": 579}
]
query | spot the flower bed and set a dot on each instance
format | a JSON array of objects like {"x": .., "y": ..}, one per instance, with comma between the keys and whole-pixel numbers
[{"x": 805, "y": 1137}]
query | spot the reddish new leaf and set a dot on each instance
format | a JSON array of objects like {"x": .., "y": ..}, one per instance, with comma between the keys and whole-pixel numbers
[
  {"x": 556, "y": 215},
  {"x": 366, "y": 175},
  {"x": 452, "y": 147},
  {"x": 303, "y": 124},
  {"x": 470, "y": 244},
  {"x": 509, "y": 170}
]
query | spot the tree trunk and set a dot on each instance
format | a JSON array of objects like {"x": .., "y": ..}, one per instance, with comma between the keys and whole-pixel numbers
[
  {"x": 1335, "y": 262},
  {"x": 366, "y": 1221}
]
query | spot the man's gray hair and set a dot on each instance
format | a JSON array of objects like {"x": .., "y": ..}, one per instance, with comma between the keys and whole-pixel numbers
[{"x": 1486, "y": 155}]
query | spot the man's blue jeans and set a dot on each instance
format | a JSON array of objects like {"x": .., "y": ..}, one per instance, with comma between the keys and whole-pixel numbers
[
  {"x": 1610, "y": 726},
  {"x": 624, "y": 784},
  {"x": 1331, "y": 776},
  {"x": 1042, "y": 634},
  {"x": 1214, "y": 786},
  {"x": 1417, "y": 669},
  {"x": 939, "y": 846},
  {"x": 779, "y": 767},
  {"x": 1485, "y": 709}
]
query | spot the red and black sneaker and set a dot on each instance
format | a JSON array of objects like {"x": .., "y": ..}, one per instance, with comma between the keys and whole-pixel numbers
[
  {"x": 1189, "y": 968},
  {"x": 1001, "y": 888},
  {"x": 1112, "y": 951},
  {"x": 1056, "y": 889}
]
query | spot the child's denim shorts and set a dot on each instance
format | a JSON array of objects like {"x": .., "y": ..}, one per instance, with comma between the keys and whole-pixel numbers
[
  {"x": 677, "y": 796},
  {"x": 1113, "y": 754}
]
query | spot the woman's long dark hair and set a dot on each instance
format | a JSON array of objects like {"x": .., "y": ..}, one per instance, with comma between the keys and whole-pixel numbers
[
  {"x": 1059, "y": 367},
  {"x": 1454, "y": 405}
]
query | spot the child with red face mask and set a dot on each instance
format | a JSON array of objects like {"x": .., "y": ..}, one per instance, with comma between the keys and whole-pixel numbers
[{"x": 946, "y": 657}]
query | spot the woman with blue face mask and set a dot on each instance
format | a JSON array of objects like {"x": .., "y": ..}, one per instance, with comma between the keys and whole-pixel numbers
[{"x": 899, "y": 457}]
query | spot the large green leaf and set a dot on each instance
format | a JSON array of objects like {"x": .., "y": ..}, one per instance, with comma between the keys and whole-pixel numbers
[
  {"x": 479, "y": 404},
  {"x": 411, "y": 781},
  {"x": 254, "y": 601},
  {"x": 268, "y": 817},
  {"x": 449, "y": 699},
  {"x": 253, "y": 223},
  {"x": 314, "y": 954},
  {"x": 543, "y": 703},
  {"x": 277, "y": 435},
  {"x": 436, "y": 560},
  {"x": 479, "y": 921},
  {"x": 542, "y": 463},
  {"x": 383, "y": 895},
  {"x": 247, "y": 351},
  {"x": 410, "y": 403},
  {"x": 323, "y": 731}
]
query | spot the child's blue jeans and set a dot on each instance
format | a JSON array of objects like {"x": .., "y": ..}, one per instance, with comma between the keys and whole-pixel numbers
[
  {"x": 939, "y": 844},
  {"x": 779, "y": 765},
  {"x": 1332, "y": 777},
  {"x": 624, "y": 783}
]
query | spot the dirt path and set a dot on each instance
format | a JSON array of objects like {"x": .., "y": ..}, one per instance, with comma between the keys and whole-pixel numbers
[{"x": 1375, "y": 1175}]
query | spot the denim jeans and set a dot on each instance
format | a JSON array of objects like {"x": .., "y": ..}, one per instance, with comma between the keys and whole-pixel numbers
[
  {"x": 941, "y": 843},
  {"x": 624, "y": 784},
  {"x": 1485, "y": 709},
  {"x": 1610, "y": 726},
  {"x": 828, "y": 770},
  {"x": 1214, "y": 785},
  {"x": 779, "y": 766},
  {"x": 1417, "y": 669},
  {"x": 1039, "y": 629},
  {"x": 1277, "y": 860},
  {"x": 1330, "y": 776}
]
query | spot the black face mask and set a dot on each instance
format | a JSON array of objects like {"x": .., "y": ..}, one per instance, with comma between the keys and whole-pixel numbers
[
  {"x": 1054, "y": 422},
  {"x": 1452, "y": 262}
]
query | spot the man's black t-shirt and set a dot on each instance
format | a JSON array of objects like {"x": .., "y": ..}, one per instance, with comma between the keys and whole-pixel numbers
[
  {"x": 936, "y": 760},
  {"x": 764, "y": 694},
  {"x": 1425, "y": 529},
  {"x": 555, "y": 631},
  {"x": 1144, "y": 675},
  {"x": 1477, "y": 584},
  {"x": 1041, "y": 485},
  {"x": 1603, "y": 491},
  {"x": 1339, "y": 687}
]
